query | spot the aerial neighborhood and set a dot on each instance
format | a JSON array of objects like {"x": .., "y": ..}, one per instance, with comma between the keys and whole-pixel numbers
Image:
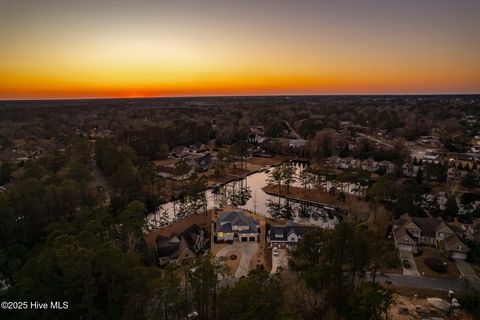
[{"x": 262, "y": 203}]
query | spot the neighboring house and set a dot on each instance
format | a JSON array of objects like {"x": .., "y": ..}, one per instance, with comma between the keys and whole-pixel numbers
[
  {"x": 370, "y": 165},
  {"x": 472, "y": 231},
  {"x": 205, "y": 162},
  {"x": 431, "y": 157},
  {"x": 164, "y": 171},
  {"x": 411, "y": 232},
  {"x": 235, "y": 225},
  {"x": 462, "y": 159},
  {"x": 387, "y": 166},
  {"x": 186, "y": 245},
  {"x": 259, "y": 152},
  {"x": 348, "y": 163},
  {"x": 429, "y": 140},
  {"x": 410, "y": 170},
  {"x": 286, "y": 236},
  {"x": 198, "y": 147},
  {"x": 455, "y": 174},
  {"x": 256, "y": 139},
  {"x": 297, "y": 143},
  {"x": 476, "y": 141},
  {"x": 180, "y": 151},
  {"x": 191, "y": 163}
]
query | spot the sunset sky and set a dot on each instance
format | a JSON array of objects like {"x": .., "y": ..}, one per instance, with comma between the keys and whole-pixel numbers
[{"x": 136, "y": 48}]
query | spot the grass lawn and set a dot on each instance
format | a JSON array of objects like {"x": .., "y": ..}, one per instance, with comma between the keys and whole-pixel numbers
[{"x": 428, "y": 252}]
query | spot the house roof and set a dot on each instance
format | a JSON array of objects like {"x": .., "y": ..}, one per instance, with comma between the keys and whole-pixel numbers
[
  {"x": 205, "y": 160},
  {"x": 179, "y": 149},
  {"x": 429, "y": 226},
  {"x": 282, "y": 232},
  {"x": 227, "y": 220},
  {"x": 452, "y": 241},
  {"x": 175, "y": 244},
  {"x": 401, "y": 233}
]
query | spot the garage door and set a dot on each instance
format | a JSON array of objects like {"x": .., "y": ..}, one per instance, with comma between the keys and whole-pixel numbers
[
  {"x": 252, "y": 238},
  {"x": 459, "y": 255},
  {"x": 405, "y": 247},
  {"x": 244, "y": 239}
]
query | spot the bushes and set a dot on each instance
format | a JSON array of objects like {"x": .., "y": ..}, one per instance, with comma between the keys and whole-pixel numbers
[
  {"x": 471, "y": 302},
  {"x": 436, "y": 265}
]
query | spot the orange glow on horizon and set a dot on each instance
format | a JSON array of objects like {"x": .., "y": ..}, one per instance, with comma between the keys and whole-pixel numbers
[{"x": 160, "y": 49}]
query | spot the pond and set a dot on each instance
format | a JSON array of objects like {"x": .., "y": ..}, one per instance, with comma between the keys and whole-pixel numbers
[{"x": 247, "y": 193}]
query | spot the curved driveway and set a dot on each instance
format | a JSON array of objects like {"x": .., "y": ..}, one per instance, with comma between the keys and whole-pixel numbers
[{"x": 247, "y": 251}]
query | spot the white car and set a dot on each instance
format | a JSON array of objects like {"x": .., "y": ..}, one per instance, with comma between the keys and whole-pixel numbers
[{"x": 275, "y": 252}]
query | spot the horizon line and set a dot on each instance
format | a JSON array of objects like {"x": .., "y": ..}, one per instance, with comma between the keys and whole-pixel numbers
[{"x": 242, "y": 96}]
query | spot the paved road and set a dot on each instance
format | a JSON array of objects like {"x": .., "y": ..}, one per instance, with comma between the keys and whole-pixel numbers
[
  {"x": 407, "y": 255},
  {"x": 424, "y": 282},
  {"x": 377, "y": 140},
  {"x": 247, "y": 251},
  {"x": 469, "y": 274},
  {"x": 101, "y": 180},
  {"x": 292, "y": 130}
]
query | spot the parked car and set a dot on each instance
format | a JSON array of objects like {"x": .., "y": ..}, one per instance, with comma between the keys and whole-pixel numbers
[
  {"x": 275, "y": 252},
  {"x": 406, "y": 264}
]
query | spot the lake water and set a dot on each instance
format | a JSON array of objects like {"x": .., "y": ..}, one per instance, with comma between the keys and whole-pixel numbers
[{"x": 247, "y": 194}]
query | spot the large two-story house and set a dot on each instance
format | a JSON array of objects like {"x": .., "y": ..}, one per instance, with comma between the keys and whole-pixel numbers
[
  {"x": 180, "y": 247},
  {"x": 286, "y": 236},
  {"x": 236, "y": 225},
  {"x": 411, "y": 232}
]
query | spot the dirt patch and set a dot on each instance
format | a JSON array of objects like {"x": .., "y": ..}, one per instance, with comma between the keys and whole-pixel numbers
[
  {"x": 408, "y": 301},
  {"x": 261, "y": 162},
  {"x": 166, "y": 162}
]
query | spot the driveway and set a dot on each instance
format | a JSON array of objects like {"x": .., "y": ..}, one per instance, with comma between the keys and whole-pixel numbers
[
  {"x": 280, "y": 261},
  {"x": 247, "y": 251},
  {"x": 407, "y": 255},
  {"x": 468, "y": 273}
]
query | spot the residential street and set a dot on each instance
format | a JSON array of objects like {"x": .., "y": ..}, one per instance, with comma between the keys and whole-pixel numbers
[
  {"x": 469, "y": 274},
  {"x": 101, "y": 180},
  {"x": 424, "y": 282}
]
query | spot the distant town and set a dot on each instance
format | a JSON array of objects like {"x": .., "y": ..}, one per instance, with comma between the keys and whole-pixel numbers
[{"x": 287, "y": 207}]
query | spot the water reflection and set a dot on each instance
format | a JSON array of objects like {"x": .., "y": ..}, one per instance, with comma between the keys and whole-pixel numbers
[{"x": 247, "y": 193}]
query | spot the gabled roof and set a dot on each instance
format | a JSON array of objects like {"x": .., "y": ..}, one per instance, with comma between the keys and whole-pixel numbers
[
  {"x": 282, "y": 232},
  {"x": 452, "y": 241},
  {"x": 172, "y": 246},
  {"x": 400, "y": 235},
  {"x": 430, "y": 226},
  {"x": 235, "y": 218},
  {"x": 405, "y": 221}
]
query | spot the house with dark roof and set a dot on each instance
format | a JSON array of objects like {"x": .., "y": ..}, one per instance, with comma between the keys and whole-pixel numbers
[
  {"x": 286, "y": 236},
  {"x": 180, "y": 151},
  {"x": 205, "y": 163},
  {"x": 411, "y": 232},
  {"x": 198, "y": 147},
  {"x": 472, "y": 231},
  {"x": 180, "y": 247},
  {"x": 236, "y": 225}
]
